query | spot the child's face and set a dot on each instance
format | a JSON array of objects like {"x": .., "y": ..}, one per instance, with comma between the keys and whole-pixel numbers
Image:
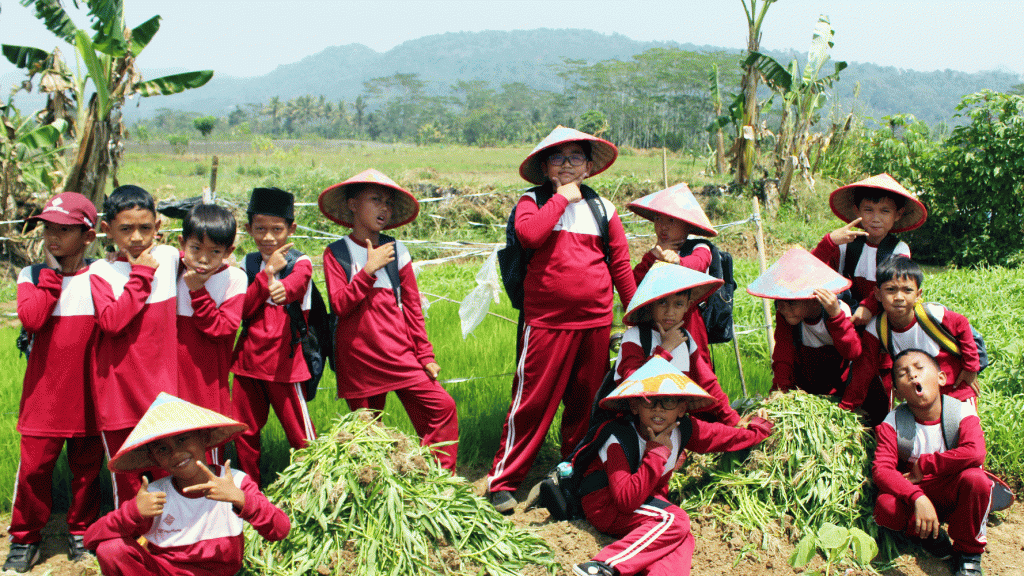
[
  {"x": 565, "y": 172},
  {"x": 917, "y": 380},
  {"x": 204, "y": 255},
  {"x": 669, "y": 311},
  {"x": 371, "y": 209},
  {"x": 653, "y": 413},
  {"x": 63, "y": 240},
  {"x": 877, "y": 217},
  {"x": 670, "y": 231},
  {"x": 796, "y": 311},
  {"x": 178, "y": 455},
  {"x": 269, "y": 232},
  {"x": 132, "y": 230},
  {"x": 898, "y": 297}
]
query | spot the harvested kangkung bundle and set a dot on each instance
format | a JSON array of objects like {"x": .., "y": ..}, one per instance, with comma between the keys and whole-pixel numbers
[
  {"x": 814, "y": 468},
  {"x": 365, "y": 499}
]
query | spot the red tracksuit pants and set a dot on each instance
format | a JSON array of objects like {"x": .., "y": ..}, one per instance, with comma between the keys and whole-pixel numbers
[
  {"x": 126, "y": 557},
  {"x": 252, "y": 400},
  {"x": 962, "y": 500},
  {"x": 555, "y": 366},
  {"x": 432, "y": 412},
  {"x": 656, "y": 538},
  {"x": 33, "y": 486},
  {"x": 126, "y": 484}
]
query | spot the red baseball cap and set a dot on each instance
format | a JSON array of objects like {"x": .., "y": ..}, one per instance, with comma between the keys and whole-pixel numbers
[{"x": 68, "y": 208}]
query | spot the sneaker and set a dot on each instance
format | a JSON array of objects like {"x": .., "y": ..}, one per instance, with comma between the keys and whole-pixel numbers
[
  {"x": 594, "y": 568},
  {"x": 504, "y": 502},
  {"x": 76, "y": 547},
  {"x": 21, "y": 557},
  {"x": 939, "y": 547},
  {"x": 970, "y": 565}
]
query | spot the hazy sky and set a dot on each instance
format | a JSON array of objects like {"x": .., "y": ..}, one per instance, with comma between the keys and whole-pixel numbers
[{"x": 252, "y": 37}]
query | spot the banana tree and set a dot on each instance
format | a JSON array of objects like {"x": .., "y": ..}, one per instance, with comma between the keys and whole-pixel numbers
[
  {"x": 107, "y": 58},
  {"x": 743, "y": 161},
  {"x": 803, "y": 94},
  {"x": 29, "y": 157}
]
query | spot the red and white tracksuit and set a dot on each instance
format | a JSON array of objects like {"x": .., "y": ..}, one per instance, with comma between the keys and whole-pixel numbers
[
  {"x": 193, "y": 536},
  {"x": 700, "y": 260},
  {"x": 686, "y": 357},
  {"x": 56, "y": 403},
  {"x": 863, "y": 288},
  {"x": 383, "y": 348},
  {"x": 134, "y": 361},
  {"x": 568, "y": 314},
  {"x": 953, "y": 480},
  {"x": 268, "y": 370},
  {"x": 656, "y": 537},
  {"x": 818, "y": 364}
]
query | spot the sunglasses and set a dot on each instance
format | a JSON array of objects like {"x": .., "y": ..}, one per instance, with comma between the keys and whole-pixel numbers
[
  {"x": 667, "y": 403},
  {"x": 559, "y": 159}
]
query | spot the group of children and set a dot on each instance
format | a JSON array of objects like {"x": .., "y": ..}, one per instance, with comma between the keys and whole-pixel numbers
[{"x": 137, "y": 349}]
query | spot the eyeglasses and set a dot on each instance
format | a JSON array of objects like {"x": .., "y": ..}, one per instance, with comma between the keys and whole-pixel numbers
[
  {"x": 667, "y": 403},
  {"x": 559, "y": 159}
]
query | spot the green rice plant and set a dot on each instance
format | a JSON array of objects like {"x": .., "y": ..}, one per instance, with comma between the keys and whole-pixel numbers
[
  {"x": 814, "y": 468},
  {"x": 364, "y": 499}
]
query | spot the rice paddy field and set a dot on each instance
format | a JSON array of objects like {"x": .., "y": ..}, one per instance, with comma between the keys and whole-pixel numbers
[{"x": 466, "y": 196}]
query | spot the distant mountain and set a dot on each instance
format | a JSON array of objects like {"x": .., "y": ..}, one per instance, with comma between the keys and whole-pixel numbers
[{"x": 533, "y": 57}]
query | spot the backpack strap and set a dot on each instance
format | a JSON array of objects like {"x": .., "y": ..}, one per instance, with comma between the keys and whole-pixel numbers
[
  {"x": 951, "y": 421},
  {"x": 600, "y": 216},
  {"x": 646, "y": 339},
  {"x": 339, "y": 249},
  {"x": 252, "y": 265},
  {"x": 906, "y": 430},
  {"x": 934, "y": 328},
  {"x": 853, "y": 252},
  {"x": 885, "y": 248},
  {"x": 884, "y": 331},
  {"x": 35, "y": 270}
]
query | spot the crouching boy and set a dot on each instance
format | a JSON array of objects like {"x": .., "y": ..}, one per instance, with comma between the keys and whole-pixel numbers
[
  {"x": 923, "y": 480},
  {"x": 191, "y": 520},
  {"x": 633, "y": 502}
]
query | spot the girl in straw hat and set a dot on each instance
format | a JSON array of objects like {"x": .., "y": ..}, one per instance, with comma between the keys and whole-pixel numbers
[
  {"x": 815, "y": 341},
  {"x": 875, "y": 209},
  {"x": 381, "y": 340},
  {"x": 190, "y": 522},
  {"x": 657, "y": 316},
  {"x": 567, "y": 304},
  {"x": 633, "y": 503}
]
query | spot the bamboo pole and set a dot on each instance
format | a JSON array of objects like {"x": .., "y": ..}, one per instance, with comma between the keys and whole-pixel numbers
[
  {"x": 213, "y": 179},
  {"x": 664, "y": 165},
  {"x": 762, "y": 261},
  {"x": 739, "y": 364}
]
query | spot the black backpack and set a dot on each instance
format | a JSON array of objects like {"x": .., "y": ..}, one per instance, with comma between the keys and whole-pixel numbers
[
  {"x": 25, "y": 338},
  {"x": 340, "y": 252},
  {"x": 906, "y": 430},
  {"x": 316, "y": 337},
  {"x": 514, "y": 257},
  {"x": 853, "y": 251},
  {"x": 717, "y": 309}
]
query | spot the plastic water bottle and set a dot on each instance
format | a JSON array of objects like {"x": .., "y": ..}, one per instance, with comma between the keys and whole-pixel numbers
[{"x": 564, "y": 469}]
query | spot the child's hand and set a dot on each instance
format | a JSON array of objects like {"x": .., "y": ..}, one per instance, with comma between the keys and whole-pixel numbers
[
  {"x": 150, "y": 504},
  {"x": 915, "y": 475},
  {"x": 379, "y": 257},
  {"x": 971, "y": 379},
  {"x": 846, "y": 234},
  {"x": 861, "y": 316},
  {"x": 277, "y": 261},
  {"x": 829, "y": 301},
  {"x": 219, "y": 488},
  {"x": 51, "y": 260},
  {"x": 278, "y": 293},
  {"x": 145, "y": 258},
  {"x": 433, "y": 369},
  {"x": 570, "y": 189},
  {"x": 194, "y": 280},
  {"x": 761, "y": 413},
  {"x": 665, "y": 254},
  {"x": 665, "y": 438},
  {"x": 672, "y": 337},
  {"x": 926, "y": 521}
]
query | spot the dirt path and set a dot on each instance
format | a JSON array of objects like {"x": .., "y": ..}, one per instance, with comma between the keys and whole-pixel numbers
[{"x": 716, "y": 553}]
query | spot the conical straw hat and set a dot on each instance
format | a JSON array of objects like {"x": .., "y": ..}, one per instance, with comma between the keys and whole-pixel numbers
[
  {"x": 664, "y": 279},
  {"x": 334, "y": 204},
  {"x": 795, "y": 276},
  {"x": 914, "y": 212},
  {"x": 676, "y": 202},
  {"x": 169, "y": 416},
  {"x": 602, "y": 153},
  {"x": 654, "y": 379}
]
